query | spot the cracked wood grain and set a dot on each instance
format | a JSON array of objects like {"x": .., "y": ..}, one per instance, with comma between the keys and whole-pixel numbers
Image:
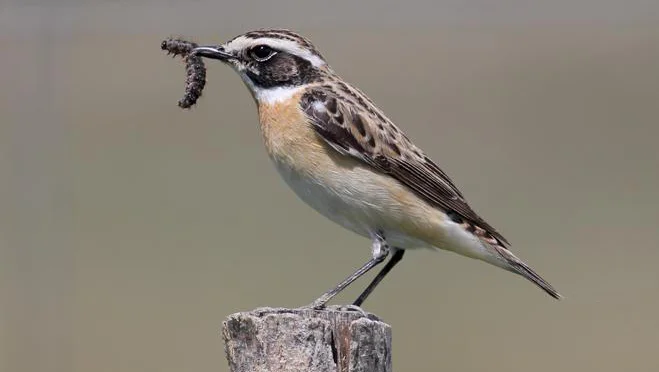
[{"x": 288, "y": 340}]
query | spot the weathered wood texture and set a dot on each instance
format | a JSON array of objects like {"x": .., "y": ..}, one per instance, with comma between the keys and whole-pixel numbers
[{"x": 294, "y": 340}]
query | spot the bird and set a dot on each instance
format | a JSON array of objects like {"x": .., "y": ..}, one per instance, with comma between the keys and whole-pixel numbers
[{"x": 346, "y": 159}]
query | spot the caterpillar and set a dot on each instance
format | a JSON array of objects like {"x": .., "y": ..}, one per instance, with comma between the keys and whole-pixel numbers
[{"x": 194, "y": 67}]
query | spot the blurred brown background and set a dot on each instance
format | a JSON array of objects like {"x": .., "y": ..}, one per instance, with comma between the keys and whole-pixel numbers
[{"x": 130, "y": 228}]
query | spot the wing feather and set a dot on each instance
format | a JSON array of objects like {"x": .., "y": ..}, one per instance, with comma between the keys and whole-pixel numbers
[{"x": 352, "y": 125}]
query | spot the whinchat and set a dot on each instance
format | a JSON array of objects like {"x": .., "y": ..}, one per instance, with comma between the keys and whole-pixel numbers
[{"x": 341, "y": 155}]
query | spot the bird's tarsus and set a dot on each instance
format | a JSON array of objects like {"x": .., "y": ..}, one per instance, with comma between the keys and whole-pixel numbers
[{"x": 380, "y": 250}]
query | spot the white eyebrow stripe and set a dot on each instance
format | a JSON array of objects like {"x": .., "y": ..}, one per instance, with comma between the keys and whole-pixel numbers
[{"x": 288, "y": 46}]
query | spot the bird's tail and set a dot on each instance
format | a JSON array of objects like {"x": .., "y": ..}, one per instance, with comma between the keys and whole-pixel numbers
[{"x": 516, "y": 266}]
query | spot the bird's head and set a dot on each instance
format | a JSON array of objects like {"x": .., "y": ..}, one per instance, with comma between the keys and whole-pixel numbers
[{"x": 272, "y": 63}]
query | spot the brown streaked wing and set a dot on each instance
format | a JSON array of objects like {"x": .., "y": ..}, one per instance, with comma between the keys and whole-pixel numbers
[{"x": 350, "y": 129}]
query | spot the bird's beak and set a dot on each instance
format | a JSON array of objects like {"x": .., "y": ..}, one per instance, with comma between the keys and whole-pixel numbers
[{"x": 213, "y": 52}]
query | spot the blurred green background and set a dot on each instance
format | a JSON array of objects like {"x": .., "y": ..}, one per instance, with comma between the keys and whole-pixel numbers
[{"x": 130, "y": 228}]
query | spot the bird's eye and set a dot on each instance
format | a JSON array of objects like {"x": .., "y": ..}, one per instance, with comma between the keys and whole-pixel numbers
[{"x": 262, "y": 53}]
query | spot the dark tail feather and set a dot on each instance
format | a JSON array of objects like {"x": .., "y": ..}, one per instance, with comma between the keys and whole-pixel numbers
[
  {"x": 519, "y": 267},
  {"x": 524, "y": 270}
]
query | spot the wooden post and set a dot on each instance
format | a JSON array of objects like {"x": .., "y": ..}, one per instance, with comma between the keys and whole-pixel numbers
[{"x": 295, "y": 340}]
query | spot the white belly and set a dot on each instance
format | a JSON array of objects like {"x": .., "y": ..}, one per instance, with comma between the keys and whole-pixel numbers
[{"x": 354, "y": 199}]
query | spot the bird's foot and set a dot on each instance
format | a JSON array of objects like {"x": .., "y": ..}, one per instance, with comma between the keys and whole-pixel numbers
[
  {"x": 319, "y": 304},
  {"x": 349, "y": 309}
]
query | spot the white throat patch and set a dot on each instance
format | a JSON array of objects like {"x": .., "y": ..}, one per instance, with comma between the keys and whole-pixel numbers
[{"x": 271, "y": 96}]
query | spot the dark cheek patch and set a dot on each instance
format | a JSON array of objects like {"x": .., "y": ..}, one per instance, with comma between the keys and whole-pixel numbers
[{"x": 284, "y": 69}]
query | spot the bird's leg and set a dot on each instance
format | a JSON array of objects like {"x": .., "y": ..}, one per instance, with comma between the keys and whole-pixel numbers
[
  {"x": 380, "y": 252},
  {"x": 395, "y": 258}
]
